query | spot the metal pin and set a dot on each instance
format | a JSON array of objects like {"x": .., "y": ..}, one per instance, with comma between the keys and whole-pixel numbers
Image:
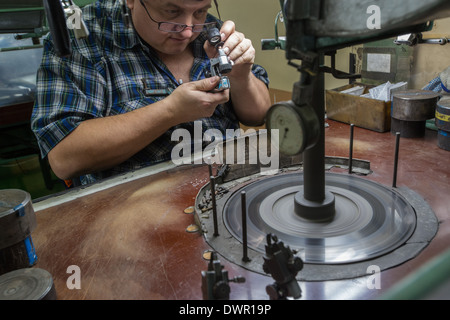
[
  {"x": 245, "y": 257},
  {"x": 350, "y": 157},
  {"x": 397, "y": 145},
  {"x": 210, "y": 166},
  {"x": 213, "y": 197}
]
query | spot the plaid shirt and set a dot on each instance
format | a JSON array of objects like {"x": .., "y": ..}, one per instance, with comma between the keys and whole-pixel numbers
[{"x": 113, "y": 72}]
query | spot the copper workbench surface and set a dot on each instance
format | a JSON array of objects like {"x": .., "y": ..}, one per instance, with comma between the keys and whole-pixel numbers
[{"x": 129, "y": 238}]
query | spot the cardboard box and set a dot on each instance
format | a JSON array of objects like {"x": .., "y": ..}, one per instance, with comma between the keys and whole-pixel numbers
[{"x": 362, "y": 112}]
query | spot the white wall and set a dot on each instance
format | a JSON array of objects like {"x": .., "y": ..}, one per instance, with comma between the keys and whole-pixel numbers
[{"x": 256, "y": 19}]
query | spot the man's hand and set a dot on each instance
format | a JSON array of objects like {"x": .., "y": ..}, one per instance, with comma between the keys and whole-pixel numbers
[
  {"x": 250, "y": 96},
  {"x": 238, "y": 48},
  {"x": 194, "y": 100}
]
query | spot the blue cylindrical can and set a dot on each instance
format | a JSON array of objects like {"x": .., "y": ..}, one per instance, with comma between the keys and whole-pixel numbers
[{"x": 17, "y": 222}]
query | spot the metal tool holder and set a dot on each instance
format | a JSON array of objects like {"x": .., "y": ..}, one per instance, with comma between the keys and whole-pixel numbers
[
  {"x": 215, "y": 281},
  {"x": 283, "y": 266},
  {"x": 221, "y": 64}
]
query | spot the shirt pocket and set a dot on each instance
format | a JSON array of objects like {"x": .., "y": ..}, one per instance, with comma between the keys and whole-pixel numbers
[
  {"x": 145, "y": 92},
  {"x": 155, "y": 90}
]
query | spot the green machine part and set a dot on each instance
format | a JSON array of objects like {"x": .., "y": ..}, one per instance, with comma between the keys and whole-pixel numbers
[
  {"x": 322, "y": 26},
  {"x": 27, "y": 16},
  {"x": 431, "y": 281},
  {"x": 26, "y": 19}
]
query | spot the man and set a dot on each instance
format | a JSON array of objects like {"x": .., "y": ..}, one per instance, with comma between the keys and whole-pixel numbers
[{"x": 112, "y": 105}]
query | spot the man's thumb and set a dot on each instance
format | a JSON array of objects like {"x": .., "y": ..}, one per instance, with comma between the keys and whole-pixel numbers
[{"x": 207, "y": 84}]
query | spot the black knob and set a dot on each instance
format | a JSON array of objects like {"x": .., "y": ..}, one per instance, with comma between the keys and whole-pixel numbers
[
  {"x": 214, "y": 36},
  {"x": 221, "y": 291}
]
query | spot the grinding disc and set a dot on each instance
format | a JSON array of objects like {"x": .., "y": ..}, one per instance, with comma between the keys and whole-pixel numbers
[
  {"x": 384, "y": 240},
  {"x": 370, "y": 219},
  {"x": 27, "y": 284}
]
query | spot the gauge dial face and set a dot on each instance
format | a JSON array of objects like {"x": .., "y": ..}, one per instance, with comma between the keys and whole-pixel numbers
[{"x": 291, "y": 129}]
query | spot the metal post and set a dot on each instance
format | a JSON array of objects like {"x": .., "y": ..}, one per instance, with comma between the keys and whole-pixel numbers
[
  {"x": 314, "y": 158},
  {"x": 210, "y": 166},
  {"x": 213, "y": 197},
  {"x": 313, "y": 202},
  {"x": 350, "y": 157},
  {"x": 210, "y": 170},
  {"x": 397, "y": 146},
  {"x": 245, "y": 257}
]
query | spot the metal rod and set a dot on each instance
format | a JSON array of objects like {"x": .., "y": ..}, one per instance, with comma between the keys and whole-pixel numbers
[
  {"x": 397, "y": 145},
  {"x": 352, "y": 67},
  {"x": 213, "y": 197},
  {"x": 245, "y": 257},
  {"x": 21, "y": 9},
  {"x": 315, "y": 203},
  {"x": 314, "y": 157},
  {"x": 210, "y": 166},
  {"x": 350, "y": 157}
]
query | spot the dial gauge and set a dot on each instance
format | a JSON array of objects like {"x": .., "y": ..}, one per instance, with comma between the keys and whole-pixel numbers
[{"x": 297, "y": 126}]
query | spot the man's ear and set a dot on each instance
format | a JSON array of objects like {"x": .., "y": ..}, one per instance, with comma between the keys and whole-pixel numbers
[{"x": 129, "y": 3}]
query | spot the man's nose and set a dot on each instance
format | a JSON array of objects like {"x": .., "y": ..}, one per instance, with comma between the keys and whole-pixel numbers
[{"x": 187, "y": 32}]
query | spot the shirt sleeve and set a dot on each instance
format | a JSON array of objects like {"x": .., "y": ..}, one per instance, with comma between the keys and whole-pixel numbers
[
  {"x": 68, "y": 91},
  {"x": 261, "y": 74}
]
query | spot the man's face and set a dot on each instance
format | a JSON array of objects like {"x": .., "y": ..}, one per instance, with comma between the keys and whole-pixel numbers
[{"x": 187, "y": 12}]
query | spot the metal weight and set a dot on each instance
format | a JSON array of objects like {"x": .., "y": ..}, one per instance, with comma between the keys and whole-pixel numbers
[
  {"x": 27, "y": 284},
  {"x": 410, "y": 110},
  {"x": 414, "y": 105}
]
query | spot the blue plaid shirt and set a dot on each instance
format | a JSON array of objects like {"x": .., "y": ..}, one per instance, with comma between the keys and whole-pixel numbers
[{"x": 113, "y": 72}]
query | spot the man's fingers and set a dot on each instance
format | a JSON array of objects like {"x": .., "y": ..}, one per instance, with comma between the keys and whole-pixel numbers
[
  {"x": 227, "y": 29},
  {"x": 206, "y": 84}
]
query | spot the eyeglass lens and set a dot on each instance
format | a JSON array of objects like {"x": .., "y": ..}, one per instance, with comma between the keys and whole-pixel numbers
[{"x": 177, "y": 27}]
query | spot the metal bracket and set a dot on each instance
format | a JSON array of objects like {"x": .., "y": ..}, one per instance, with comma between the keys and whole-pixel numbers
[
  {"x": 215, "y": 282},
  {"x": 413, "y": 39}
]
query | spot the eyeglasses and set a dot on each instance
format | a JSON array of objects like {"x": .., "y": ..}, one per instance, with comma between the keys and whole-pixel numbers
[{"x": 176, "y": 27}]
